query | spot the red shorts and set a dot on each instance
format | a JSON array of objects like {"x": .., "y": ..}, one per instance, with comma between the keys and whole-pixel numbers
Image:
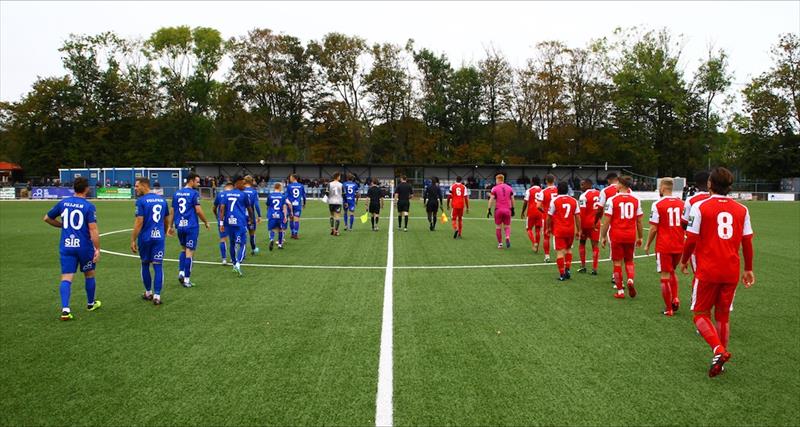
[
  {"x": 666, "y": 263},
  {"x": 620, "y": 251},
  {"x": 534, "y": 221},
  {"x": 502, "y": 217},
  {"x": 458, "y": 212},
  {"x": 564, "y": 243},
  {"x": 706, "y": 295},
  {"x": 592, "y": 234}
]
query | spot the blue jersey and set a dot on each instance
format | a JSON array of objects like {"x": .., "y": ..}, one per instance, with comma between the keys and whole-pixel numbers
[
  {"x": 76, "y": 214},
  {"x": 296, "y": 195},
  {"x": 236, "y": 208},
  {"x": 183, "y": 203},
  {"x": 153, "y": 209},
  {"x": 275, "y": 202},
  {"x": 350, "y": 190},
  {"x": 252, "y": 194},
  {"x": 219, "y": 200}
]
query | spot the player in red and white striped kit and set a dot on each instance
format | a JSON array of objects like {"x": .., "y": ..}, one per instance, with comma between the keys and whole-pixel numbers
[
  {"x": 667, "y": 231},
  {"x": 543, "y": 199},
  {"x": 564, "y": 223},
  {"x": 590, "y": 228},
  {"x": 458, "y": 200},
  {"x": 622, "y": 225},
  {"x": 535, "y": 219},
  {"x": 701, "y": 183},
  {"x": 606, "y": 193},
  {"x": 718, "y": 227}
]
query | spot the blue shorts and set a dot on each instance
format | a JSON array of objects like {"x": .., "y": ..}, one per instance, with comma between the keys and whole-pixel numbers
[
  {"x": 70, "y": 261},
  {"x": 275, "y": 223},
  {"x": 297, "y": 210},
  {"x": 151, "y": 251},
  {"x": 351, "y": 205},
  {"x": 188, "y": 237},
  {"x": 236, "y": 234}
]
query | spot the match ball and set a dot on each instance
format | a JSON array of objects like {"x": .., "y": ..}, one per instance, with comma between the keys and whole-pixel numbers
[
  {"x": 262, "y": 162},
  {"x": 553, "y": 165}
]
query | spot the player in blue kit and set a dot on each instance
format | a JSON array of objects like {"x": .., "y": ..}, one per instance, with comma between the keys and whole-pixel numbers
[
  {"x": 252, "y": 193},
  {"x": 219, "y": 200},
  {"x": 80, "y": 243},
  {"x": 280, "y": 209},
  {"x": 296, "y": 195},
  {"x": 351, "y": 197},
  {"x": 236, "y": 212},
  {"x": 186, "y": 210},
  {"x": 153, "y": 222}
]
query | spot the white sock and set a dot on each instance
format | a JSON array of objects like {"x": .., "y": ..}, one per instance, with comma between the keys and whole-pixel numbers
[
  {"x": 65, "y": 309},
  {"x": 157, "y": 296}
]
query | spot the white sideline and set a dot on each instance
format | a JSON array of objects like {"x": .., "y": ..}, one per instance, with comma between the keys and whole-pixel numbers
[
  {"x": 358, "y": 267},
  {"x": 383, "y": 399}
]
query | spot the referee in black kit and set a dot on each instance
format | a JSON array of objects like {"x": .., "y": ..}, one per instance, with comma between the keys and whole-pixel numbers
[
  {"x": 375, "y": 203},
  {"x": 432, "y": 199},
  {"x": 403, "y": 194}
]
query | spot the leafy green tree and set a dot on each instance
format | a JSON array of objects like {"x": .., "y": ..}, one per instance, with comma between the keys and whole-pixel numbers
[{"x": 466, "y": 108}]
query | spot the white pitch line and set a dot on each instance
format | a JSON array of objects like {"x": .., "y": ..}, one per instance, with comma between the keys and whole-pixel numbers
[
  {"x": 358, "y": 267},
  {"x": 383, "y": 398}
]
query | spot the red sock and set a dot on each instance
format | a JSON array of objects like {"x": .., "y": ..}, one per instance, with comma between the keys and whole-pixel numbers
[
  {"x": 560, "y": 263},
  {"x": 723, "y": 332},
  {"x": 508, "y": 232},
  {"x": 460, "y": 224},
  {"x": 499, "y": 235},
  {"x": 537, "y": 231},
  {"x": 707, "y": 330},
  {"x": 630, "y": 270},
  {"x": 673, "y": 279},
  {"x": 618, "y": 276},
  {"x": 547, "y": 244},
  {"x": 666, "y": 293},
  {"x": 530, "y": 236},
  {"x": 595, "y": 256},
  {"x": 568, "y": 257},
  {"x": 582, "y": 252}
]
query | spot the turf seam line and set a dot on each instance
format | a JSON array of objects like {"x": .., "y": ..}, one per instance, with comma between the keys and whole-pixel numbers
[{"x": 383, "y": 398}]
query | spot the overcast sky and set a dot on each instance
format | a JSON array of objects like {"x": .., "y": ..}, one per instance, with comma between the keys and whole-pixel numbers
[{"x": 32, "y": 32}]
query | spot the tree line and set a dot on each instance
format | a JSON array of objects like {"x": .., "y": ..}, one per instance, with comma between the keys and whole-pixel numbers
[{"x": 624, "y": 98}]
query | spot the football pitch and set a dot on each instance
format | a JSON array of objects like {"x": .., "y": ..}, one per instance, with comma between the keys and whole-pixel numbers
[{"x": 493, "y": 339}]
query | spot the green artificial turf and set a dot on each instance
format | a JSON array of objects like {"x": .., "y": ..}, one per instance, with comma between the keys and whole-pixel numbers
[{"x": 472, "y": 346}]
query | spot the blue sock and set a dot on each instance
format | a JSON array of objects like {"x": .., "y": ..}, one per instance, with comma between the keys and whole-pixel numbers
[
  {"x": 271, "y": 234},
  {"x": 252, "y": 241},
  {"x": 181, "y": 262},
  {"x": 280, "y": 237},
  {"x": 232, "y": 249},
  {"x": 158, "y": 271},
  {"x": 222, "y": 250},
  {"x": 297, "y": 227},
  {"x": 65, "y": 290},
  {"x": 242, "y": 253},
  {"x": 146, "y": 278},
  {"x": 90, "y": 287},
  {"x": 351, "y": 220},
  {"x": 187, "y": 267}
]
